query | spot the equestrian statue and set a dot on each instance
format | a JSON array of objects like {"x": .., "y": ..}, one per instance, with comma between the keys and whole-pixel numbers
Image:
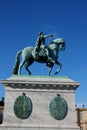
[{"x": 40, "y": 53}]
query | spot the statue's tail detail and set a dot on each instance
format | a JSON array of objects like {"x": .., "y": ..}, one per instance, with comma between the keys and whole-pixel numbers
[{"x": 17, "y": 62}]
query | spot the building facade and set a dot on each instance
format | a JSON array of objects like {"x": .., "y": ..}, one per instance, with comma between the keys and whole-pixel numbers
[{"x": 82, "y": 118}]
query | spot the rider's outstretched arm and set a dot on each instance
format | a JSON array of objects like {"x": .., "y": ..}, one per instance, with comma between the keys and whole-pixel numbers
[{"x": 50, "y": 35}]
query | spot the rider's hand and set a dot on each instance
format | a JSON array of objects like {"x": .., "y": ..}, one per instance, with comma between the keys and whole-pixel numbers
[{"x": 51, "y": 35}]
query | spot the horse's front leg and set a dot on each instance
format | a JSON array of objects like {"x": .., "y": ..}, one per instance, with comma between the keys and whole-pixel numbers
[
  {"x": 49, "y": 71},
  {"x": 59, "y": 67},
  {"x": 50, "y": 68}
]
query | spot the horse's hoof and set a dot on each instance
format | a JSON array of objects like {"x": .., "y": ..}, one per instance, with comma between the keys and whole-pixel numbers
[
  {"x": 30, "y": 73},
  {"x": 56, "y": 73}
]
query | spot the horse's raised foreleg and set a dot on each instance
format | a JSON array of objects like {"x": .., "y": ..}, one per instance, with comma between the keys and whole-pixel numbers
[
  {"x": 20, "y": 67},
  {"x": 59, "y": 67}
]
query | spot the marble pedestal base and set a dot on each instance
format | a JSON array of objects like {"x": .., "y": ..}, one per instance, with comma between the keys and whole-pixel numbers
[{"x": 40, "y": 90}]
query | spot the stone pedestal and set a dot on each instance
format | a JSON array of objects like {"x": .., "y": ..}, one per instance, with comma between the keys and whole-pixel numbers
[{"x": 41, "y": 91}]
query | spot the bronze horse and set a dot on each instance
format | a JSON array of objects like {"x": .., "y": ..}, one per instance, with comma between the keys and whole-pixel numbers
[{"x": 28, "y": 57}]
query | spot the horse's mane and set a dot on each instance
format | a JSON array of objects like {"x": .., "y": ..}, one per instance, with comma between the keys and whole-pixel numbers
[{"x": 54, "y": 41}]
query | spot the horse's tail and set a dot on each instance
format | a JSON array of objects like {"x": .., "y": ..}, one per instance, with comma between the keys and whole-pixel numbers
[{"x": 17, "y": 62}]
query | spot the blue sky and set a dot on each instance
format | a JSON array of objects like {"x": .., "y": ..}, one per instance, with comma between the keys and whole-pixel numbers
[{"x": 22, "y": 20}]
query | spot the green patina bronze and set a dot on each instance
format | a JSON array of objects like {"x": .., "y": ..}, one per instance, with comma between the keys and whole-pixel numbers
[
  {"x": 58, "y": 107},
  {"x": 23, "y": 106},
  {"x": 46, "y": 54}
]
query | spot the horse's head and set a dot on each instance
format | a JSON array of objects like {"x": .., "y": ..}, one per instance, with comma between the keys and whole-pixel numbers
[{"x": 60, "y": 42}]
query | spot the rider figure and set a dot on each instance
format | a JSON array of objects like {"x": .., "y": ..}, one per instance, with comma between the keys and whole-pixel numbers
[{"x": 40, "y": 43}]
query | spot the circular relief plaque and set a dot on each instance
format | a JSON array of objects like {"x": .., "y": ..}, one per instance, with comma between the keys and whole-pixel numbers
[
  {"x": 23, "y": 106},
  {"x": 58, "y": 107}
]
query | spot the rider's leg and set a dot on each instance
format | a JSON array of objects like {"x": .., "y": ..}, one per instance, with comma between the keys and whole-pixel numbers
[{"x": 36, "y": 52}]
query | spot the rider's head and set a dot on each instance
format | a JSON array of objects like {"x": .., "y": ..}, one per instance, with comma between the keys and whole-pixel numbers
[{"x": 41, "y": 34}]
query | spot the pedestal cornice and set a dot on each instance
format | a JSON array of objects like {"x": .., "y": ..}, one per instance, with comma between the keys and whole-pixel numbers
[{"x": 40, "y": 82}]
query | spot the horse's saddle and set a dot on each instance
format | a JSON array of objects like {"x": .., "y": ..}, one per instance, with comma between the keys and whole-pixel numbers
[{"x": 42, "y": 54}]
